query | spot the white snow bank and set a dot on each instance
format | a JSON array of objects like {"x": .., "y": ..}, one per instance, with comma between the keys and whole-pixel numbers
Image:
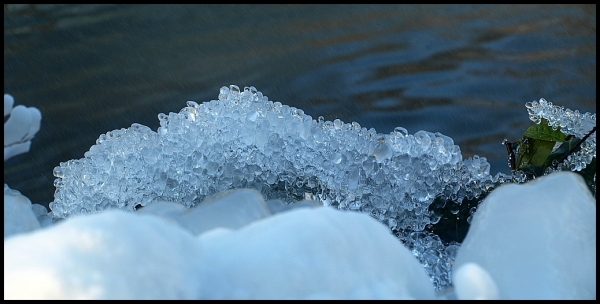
[
  {"x": 536, "y": 241},
  {"x": 304, "y": 253},
  {"x": 529, "y": 241},
  {"x": 19, "y": 215},
  {"x": 312, "y": 253},
  {"x": 111, "y": 255},
  {"x": 228, "y": 209}
]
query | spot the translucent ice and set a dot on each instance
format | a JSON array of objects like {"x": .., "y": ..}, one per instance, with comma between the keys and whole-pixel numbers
[
  {"x": 243, "y": 140},
  {"x": 571, "y": 123}
]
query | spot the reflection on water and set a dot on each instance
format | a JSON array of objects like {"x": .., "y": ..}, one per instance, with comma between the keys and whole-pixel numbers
[{"x": 465, "y": 71}]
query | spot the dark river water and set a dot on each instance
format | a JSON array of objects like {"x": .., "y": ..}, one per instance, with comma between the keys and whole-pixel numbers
[{"x": 463, "y": 70}]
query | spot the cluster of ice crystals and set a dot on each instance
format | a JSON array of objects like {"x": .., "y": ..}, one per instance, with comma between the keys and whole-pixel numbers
[
  {"x": 244, "y": 140},
  {"x": 570, "y": 123},
  {"x": 436, "y": 258}
]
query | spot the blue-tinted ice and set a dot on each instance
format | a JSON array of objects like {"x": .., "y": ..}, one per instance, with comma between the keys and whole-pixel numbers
[{"x": 243, "y": 140}]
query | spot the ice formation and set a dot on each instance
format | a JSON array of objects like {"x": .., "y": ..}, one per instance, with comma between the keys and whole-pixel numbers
[
  {"x": 19, "y": 215},
  {"x": 243, "y": 140},
  {"x": 571, "y": 123},
  {"x": 20, "y": 127}
]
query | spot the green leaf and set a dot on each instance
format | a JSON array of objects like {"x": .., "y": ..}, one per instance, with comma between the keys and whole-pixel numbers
[
  {"x": 533, "y": 152},
  {"x": 544, "y": 132}
]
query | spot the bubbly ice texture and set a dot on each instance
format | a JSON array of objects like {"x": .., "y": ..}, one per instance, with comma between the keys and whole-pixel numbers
[{"x": 244, "y": 140}]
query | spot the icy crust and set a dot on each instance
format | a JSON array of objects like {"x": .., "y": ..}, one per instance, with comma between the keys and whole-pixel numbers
[
  {"x": 243, "y": 140},
  {"x": 570, "y": 123}
]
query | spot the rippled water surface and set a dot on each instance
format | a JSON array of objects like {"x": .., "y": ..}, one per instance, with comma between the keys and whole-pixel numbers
[{"x": 464, "y": 71}]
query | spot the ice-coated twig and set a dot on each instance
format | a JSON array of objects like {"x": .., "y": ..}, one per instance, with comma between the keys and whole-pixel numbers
[
  {"x": 570, "y": 123},
  {"x": 585, "y": 137}
]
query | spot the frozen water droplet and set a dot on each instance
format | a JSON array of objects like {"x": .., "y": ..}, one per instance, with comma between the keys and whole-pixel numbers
[
  {"x": 336, "y": 157},
  {"x": 58, "y": 172},
  {"x": 472, "y": 210},
  {"x": 58, "y": 183},
  {"x": 337, "y": 124},
  {"x": 454, "y": 208},
  {"x": 223, "y": 93},
  {"x": 400, "y": 132},
  {"x": 392, "y": 223},
  {"x": 252, "y": 116},
  {"x": 382, "y": 151},
  {"x": 234, "y": 89},
  {"x": 246, "y": 95}
]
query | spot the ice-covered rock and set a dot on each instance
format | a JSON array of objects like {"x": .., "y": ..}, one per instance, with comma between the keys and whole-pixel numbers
[
  {"x": 536, "y": 241},
  {"x": 20, "y": 128},
  {"x": 306, "y": 253}
]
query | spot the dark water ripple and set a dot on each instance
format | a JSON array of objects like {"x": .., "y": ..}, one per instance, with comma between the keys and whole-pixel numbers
[{"x": 463, "y": 70}]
